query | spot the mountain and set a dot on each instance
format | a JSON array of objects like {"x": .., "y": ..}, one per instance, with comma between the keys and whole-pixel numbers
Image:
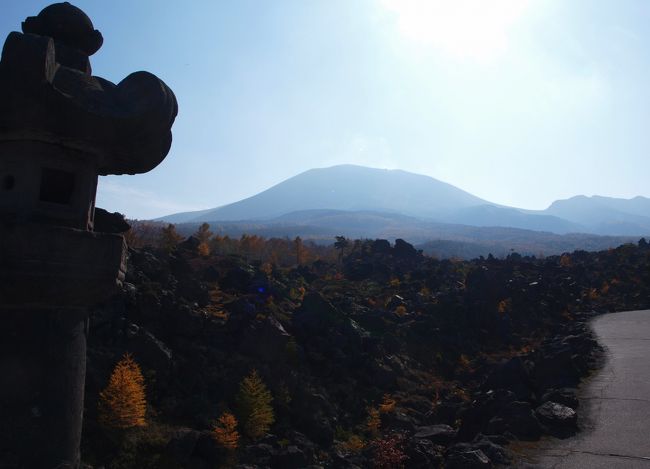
[
  {"x": 493, "y": 215},
  {"x": 345, "y": 187},
  {"x": 363, "y": 201},
  {"x": 442, "y": 240},
  {"x": 605, "y": 215}
]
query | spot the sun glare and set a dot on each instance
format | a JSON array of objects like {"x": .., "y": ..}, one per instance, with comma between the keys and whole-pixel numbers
[{"x": 462, "y": 29}]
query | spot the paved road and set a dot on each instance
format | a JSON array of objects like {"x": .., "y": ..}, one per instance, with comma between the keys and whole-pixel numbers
[{"x": 615, "y": 403}]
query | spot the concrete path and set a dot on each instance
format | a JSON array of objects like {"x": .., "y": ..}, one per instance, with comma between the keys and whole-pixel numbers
[{"x": 614, "y": 405}]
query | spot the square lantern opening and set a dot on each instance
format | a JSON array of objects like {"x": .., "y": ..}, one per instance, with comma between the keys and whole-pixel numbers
[
  {"x": 57, "y": 186},
  {"x": 8, "y": 182}
]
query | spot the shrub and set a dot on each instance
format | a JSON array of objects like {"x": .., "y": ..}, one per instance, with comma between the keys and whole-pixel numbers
[{"x": 388, "y": 453}]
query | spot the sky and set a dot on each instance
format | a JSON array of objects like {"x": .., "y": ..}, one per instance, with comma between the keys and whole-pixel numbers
[{"x": 519, "y": 102}]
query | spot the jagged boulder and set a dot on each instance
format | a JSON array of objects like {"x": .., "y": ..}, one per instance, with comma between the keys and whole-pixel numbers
[
  {"x": 564, "y": 396},
  {"x": 439, "y": 434},
  {"x": 423, "y": 453},
  {"x": 470, "y": 459},
  {"x": 494, "y": 451},
  {"x": 266, "y": 340},
  {"x": 290, "y": 457},
  {"x": 512, "y": 375},
  {"x": 148, "y": 350},
  {"x": 517, "y": 418},
  {"x": 559, "y": 419}
]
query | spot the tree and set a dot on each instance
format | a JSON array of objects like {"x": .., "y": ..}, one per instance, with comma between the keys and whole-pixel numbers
[
  {"x": 373, "y": 423},
  {"x": 225, "y": 432},
  {"x": 341, "y": 244},
  {"x": 169, "y": 238},
  {"x": 123, "y": 403},
  {"x": 254, "y": 406},
  {"x": 300, "y": 250},
  {"x": 203, "y": 234}
]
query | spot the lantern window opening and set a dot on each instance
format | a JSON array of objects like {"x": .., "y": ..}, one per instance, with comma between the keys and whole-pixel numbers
[{"x": 57, "y": 186}]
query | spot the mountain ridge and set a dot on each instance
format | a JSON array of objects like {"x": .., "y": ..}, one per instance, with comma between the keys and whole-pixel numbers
[{"x": 352, "y": 188}]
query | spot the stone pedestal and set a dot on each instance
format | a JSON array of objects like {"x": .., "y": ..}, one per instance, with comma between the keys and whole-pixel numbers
[
  {"x": 42, "y": 373},
  {"x": 49, "y": 277}
]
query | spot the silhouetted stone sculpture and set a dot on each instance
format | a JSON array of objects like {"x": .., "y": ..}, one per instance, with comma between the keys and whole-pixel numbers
[{"x": 60, "y": 127}]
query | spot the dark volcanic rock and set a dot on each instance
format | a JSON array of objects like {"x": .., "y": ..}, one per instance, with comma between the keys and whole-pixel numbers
[
  {"x": 316, "y": 314},
  {"x": 290, "y": 457},
  {"x": 472, "y": 459},
  {"x": 495, "y": 452},
  {"x": 266, "y": 340},
  {"x": 181, "y": 446},
  {"x": 109, "y": 222},
  {"x": 559, "y": 418},
  {"x": 423, "y": 454},
  {"x": 555, "y": 368},
  {"x": 564, "y": 396},
  {"x": 475, "y": 418},
  {"x": 513, "y": 376},
  {"x": 439, "y": 434},
  {"x": 517, "y": 418},
  {"x": 148, "y": 350}
]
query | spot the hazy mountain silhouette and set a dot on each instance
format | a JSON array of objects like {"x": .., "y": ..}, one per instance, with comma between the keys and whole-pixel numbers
[
  {"x": 346, "y": 187},
  {"x": 605, "y": 215},
  {"x": 362, "y": 200}
]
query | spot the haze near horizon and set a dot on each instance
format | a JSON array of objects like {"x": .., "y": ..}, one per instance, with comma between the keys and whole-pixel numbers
[{"x": 519, "y": 102}]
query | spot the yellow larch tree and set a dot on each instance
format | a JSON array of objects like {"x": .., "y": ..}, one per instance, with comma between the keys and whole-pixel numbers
[{"x": 123, "y": 403}]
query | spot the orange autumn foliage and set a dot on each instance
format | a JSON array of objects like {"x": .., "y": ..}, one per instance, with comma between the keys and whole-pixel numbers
[
  {"x": 225, "y": 431},
  {"x": 373, "y": 423},
  {"x": 122, "y": 404}
]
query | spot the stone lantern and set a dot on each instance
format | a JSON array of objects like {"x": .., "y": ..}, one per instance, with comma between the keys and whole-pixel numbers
[{"x": 60, "y": 128}]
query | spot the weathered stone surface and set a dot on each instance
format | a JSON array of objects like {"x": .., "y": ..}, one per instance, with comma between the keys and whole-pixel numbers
[
  {"x": 517, "y": 418},
  {"x": 61, "y": 127},
  {"x": 495, "y": 452},
  {"x": 559, "y": 418},
  {"x": 473, "y": 459},
  {"x": 125, "y": 127},
  {"x": 290, "y": 457},
  {"x": 107, "y": 222},
  {"x": 423, "y": 454},
  {"x": 50, "y": 267},
  {"x": 564, "y": 396},
  {"x": 266, "y": 340},
  {"x": 513, "y": 376},
  {"x": 439, "y": 434}
]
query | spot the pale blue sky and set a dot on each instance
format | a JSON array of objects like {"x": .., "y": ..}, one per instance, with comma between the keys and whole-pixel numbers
[{"x": 518, "y": 102}]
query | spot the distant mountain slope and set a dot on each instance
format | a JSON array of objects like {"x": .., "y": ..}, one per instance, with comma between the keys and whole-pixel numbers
[
  {"x": 605, "y": 215},
  {"x": 346, "y": 187},
  {"x": 321, "y": 198},
  {"x": 440, "y": 239},
  {"x": 492, "y": 215}
]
